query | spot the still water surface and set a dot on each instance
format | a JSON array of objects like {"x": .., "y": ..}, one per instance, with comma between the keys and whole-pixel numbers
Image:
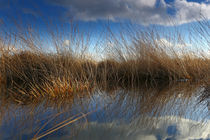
[{"x": 176, "y": 112}]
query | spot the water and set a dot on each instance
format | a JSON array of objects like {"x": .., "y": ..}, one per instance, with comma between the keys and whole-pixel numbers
[{"x": 173, "y": 112}]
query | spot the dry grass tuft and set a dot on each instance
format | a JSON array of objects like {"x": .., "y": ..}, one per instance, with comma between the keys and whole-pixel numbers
[{"x": 140, "y": 58}]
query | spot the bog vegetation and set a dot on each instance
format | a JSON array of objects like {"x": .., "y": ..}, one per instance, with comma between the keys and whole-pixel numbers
[{"x": 129, "y": 57}]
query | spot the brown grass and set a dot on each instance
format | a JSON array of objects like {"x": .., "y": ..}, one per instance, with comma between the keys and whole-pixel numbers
[{"x": 31, "y": 73}]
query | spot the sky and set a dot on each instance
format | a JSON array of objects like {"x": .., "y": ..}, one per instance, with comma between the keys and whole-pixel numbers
[
  {"x": 161, "y": 12},
  {"x": 94, "y": 13}
]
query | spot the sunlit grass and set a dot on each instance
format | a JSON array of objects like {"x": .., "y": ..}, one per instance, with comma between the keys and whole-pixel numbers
[{"x": 29, "y": 72}]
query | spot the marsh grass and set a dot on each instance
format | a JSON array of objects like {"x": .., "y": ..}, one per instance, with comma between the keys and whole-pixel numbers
[{"x": 131, "y": 59}]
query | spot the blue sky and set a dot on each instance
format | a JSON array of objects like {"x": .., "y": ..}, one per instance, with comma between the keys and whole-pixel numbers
[{"x": 94, "y": 14}]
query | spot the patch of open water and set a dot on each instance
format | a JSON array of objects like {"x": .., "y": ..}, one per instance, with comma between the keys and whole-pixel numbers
[{"x": 175, "y": 112}]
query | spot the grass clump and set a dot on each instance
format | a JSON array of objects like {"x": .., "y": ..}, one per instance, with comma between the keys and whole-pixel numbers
[{"x": 30, "y": 73}]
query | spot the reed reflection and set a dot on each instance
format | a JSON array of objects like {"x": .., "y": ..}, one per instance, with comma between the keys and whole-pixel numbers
[{"x": 138, "y": 112}]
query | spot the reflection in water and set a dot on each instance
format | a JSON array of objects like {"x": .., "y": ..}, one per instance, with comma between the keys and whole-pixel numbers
[
  {"x": 178, "y": 111},
  {"x": 167, "y": 127}
]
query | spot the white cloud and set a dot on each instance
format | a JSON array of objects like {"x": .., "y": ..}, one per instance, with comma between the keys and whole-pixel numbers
[
  {"x": 191, "y": 11},
  {"x": 206, "y": 53},
  {"x": 165, "y": 43},
  {"x": 166, "y": 127},
  {"x": 141, "y": 11},
  {"x": 143, "y": 3},
  {"x": 66, "y": 43}
]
